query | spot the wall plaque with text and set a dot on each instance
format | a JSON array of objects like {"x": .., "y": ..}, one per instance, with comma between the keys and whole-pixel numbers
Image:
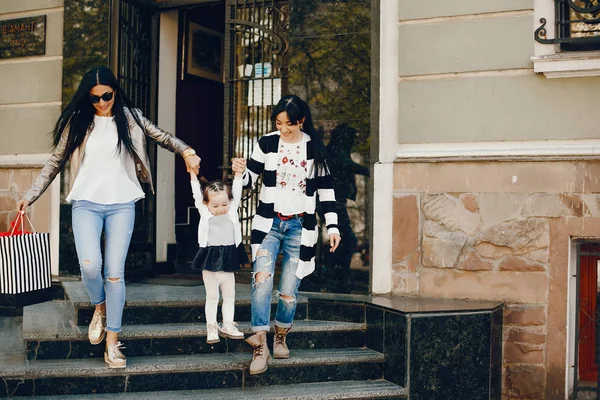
[{"x": 23, "y": 37}]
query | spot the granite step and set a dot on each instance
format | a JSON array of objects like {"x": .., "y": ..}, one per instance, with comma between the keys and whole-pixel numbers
[
  {"x": 188, "y": 372},
  {"x": 50, "y": 332},
  {"x": 374, "y": 389},
  {"x": 159, "y": 304}
]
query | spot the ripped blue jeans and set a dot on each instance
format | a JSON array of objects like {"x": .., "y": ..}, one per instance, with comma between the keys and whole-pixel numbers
[
  {"x": 89, "y": 220},
  {"x": 285, "y": 236}
]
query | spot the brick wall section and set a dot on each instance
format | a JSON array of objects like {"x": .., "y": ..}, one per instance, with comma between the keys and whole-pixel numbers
[
  {"x": 14, "y": 183},
  {"x": 499, "y": 231}
]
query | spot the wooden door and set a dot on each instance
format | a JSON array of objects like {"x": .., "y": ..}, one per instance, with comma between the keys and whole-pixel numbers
[{"x": 588, "y": 288}]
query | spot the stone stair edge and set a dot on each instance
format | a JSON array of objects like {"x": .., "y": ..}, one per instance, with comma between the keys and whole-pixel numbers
[
  {"x": 175, "y": 303},
  {"x": 351, "y": 390},
  {"x": 62, "y": 325},
  {"x": 75, "y": 292},
  {"x": 191, "y": 329},
  {"x": 186, "y": 363}
]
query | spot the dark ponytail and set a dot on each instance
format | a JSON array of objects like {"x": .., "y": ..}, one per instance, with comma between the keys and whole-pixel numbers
[{"x": 297, "y": 110}]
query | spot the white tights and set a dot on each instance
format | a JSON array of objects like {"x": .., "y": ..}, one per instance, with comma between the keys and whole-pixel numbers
[{"x": 212, "y": 281}]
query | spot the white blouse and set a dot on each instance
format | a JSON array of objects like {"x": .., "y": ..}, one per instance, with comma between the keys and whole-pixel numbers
[{"x": 106, "y": 176}]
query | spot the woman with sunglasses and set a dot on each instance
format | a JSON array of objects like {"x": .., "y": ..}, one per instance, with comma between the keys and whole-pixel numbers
[{"x": 104, "y": 138}]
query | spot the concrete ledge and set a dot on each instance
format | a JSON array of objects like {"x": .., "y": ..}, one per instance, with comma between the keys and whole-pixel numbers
[{"x": 24, "y": 160}]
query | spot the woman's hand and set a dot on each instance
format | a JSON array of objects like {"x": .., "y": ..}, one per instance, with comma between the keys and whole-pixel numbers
[
  {"x": 334, "y": 241},
  {"x": 22, "y": 206},
  {"x": 192, "y": 164},
  {"x": 238, "y": 165}
]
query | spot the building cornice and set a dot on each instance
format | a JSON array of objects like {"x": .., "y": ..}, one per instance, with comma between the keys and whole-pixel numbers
[
  {"x": 544, "y": 150},
  {"x": 23, "y": 160}
]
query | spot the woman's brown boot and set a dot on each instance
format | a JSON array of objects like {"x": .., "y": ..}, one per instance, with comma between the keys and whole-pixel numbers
[
  {"x": 280, "y": 349},
  {"x": 260, "y": 355}
]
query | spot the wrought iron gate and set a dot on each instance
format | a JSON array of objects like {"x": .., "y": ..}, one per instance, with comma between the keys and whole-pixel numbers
[
  {"x": 135, "y": 72},
  {"x": 256, "y": 62}
]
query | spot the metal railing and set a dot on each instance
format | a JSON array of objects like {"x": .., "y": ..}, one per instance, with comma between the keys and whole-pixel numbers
[
  {"x": 577, "y": 25},
  {"x": 256, "y": 63}
]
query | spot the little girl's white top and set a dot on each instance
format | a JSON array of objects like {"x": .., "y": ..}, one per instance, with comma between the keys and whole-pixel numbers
[
  {"x": 106, "y": 176},
  {"x": 205, "y": 215}
]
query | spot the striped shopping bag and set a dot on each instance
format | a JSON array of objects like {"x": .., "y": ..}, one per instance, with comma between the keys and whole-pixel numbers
[{"x": 25, "y": 276}]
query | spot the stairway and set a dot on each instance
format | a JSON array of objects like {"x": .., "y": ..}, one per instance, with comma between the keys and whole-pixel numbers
[{"x": 168, "y": 357}]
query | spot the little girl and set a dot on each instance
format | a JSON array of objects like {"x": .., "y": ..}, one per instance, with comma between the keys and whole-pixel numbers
[{"x": 221, "y": 251}]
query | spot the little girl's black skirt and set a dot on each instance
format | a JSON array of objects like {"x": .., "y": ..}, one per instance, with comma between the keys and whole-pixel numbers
[{"x": 220, "y": 258}]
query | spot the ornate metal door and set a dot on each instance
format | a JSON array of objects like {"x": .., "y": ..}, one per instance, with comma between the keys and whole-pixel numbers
[
  {"x": 256, "y": 63},
  {"x": 136, "y": 72}
]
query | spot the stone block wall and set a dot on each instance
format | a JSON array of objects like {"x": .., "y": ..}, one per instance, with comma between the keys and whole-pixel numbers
[
  {"x": 499, "y": 231},
  {"x": 29, "y": 108},
  {"x": 31, "y": 99}
]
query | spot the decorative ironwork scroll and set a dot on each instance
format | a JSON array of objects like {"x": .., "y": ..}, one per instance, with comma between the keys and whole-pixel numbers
[
  {"x": 577, "y": 25},
  {"x": 279, "y": 43},
  {"x": 589, "y": 248}
]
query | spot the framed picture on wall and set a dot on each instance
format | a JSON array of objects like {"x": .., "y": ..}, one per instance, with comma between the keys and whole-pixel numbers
[{"x": 204, "y": 55}]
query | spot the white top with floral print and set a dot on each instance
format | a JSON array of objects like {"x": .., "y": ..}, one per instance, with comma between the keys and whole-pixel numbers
[{"x": 291, "y": 178}]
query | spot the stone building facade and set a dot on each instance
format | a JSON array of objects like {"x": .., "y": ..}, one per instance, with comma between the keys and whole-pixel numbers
[
  {"x": 493, "y": 173},
  {"x": 484, "y": 149},
  {"x": 29, "y": 106},
  {"x": 481, "y": 236}
]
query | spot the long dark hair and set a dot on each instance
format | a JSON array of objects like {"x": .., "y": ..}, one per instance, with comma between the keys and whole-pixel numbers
[
  {"x": 297, "y": 109},
  {"x": 78, "y": 116}
]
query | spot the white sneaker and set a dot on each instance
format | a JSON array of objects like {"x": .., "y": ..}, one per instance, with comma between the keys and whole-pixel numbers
[
  {"x": 212, "y": 331},
  {"x": 230, "y": 330},
  {"x": 114, "y": 357}
]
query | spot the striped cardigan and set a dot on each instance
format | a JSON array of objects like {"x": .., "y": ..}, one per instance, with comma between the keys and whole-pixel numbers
[{"x": 264, "y": 161}]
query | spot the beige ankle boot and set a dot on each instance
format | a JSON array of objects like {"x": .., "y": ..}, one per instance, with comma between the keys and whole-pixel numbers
[
  {"x": 280, "y": 349},
  {"x": 260, "y": 355}
]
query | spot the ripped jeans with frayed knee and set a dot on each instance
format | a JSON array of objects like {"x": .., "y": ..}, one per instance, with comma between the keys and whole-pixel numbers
[
  {"x": 116, "y": 220},
  {"x": 284, "y": 236}
]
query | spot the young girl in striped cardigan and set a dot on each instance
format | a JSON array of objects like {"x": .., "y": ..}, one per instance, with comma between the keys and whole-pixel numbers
[{"x": 292, "y": 163}]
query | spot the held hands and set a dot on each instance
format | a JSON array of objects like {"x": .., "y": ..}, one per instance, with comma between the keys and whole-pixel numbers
[
  {"x": 238, "y": 165},
  {"x": 22, "y": 206},
  {"x": 192, "y": 164},
  {"x": 334, "y": 241}
]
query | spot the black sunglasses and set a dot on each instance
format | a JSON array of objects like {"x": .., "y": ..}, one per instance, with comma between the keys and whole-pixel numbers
[{"x": 106, "y": 97}]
